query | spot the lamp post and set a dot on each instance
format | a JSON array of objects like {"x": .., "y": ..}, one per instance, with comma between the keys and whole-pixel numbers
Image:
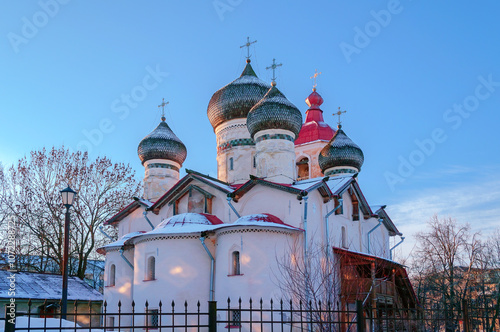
[{"x": 68, "y": 196}]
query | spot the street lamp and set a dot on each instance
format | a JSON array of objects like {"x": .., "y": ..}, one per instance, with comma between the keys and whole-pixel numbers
[{"x": 68, "y": 196}]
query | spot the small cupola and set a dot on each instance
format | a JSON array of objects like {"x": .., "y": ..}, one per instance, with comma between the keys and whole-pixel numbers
[{"x": 341, "y": 155}]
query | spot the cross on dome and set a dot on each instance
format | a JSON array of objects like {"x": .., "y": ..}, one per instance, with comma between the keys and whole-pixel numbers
[
  {"x": 162, "y": 105},
  {"x": 339, "y": 113},
  {"x": 247, "y": 45},
  {"x": 314, "y": 77},
  {"x": 273, "y": 67}
]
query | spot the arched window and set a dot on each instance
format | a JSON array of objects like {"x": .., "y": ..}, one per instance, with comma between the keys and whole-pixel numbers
[
  {"x": 303, "y": 168},
  {"x": 112, "y": 274},
  {"x": 236, "y": 263},
  {"x": 150, "y": 269},
  {"x": 344, "y": 237},
  {"x": 231, "y": 164}
]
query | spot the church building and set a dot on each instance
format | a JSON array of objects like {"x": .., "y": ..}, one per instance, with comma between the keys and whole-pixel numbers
[{"x": 285, "y": 188}]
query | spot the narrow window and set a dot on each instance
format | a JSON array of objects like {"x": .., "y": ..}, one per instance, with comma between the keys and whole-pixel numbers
[
  {"x": 231, "y": 164},
  {"x": 236, "y": 262},
  {"x": 340, "y": 210},
  {"x": 355, "y": 211},
  {"x": 303, "y": 168},
  {"x": 254, "y": 162},
  {"x": 112, "y": 274},
  {"x": 344, "y": 237},
  {"x": 152, "y": 318},
  {"x": 150, "y": 269}
]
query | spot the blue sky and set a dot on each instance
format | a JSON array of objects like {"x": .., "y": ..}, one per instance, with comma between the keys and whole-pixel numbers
[{"x": 420, "y": 81}]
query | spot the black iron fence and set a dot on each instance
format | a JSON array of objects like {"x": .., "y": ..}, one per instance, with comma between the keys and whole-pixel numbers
[{"x": 255, "y": 316}]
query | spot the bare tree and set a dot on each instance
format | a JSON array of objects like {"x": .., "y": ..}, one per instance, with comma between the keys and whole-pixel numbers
[
  {"x": 445, "y": 256},
  {"x": 316, "y": 283},
  {"x": 32, "y": 198}
]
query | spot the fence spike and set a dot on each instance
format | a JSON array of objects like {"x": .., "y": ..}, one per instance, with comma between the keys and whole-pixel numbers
[
  {"x": 147, "y": 304},
  {"x": 228, "y": 300},
  {"x": 239, "y": 300},
  {"x": 133, "y": 303},
  {"x": 119, "y": 303},
  {"x": 173, "y": 303},
  {"x": 185, "y": 304},
  {"x": 105, "y": 303},
  {"x": 250, "y": 301},
  {"x": 29, "y": 303},
  {"x": 261, "y": 301},
  {"x": 160, "y": 304}
]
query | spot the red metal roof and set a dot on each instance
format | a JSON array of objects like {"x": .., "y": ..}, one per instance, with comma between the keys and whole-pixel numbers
[{"x": 314, "y": 128}]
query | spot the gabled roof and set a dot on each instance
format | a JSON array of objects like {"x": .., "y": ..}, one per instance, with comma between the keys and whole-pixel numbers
[
  {"x": 30, "y": 285},
  {"x": 138, "y": 202},
  {"x": 382, "y": 214},
  {"x": 184, "y": 183},
  {"x": 328, "y": 187}
]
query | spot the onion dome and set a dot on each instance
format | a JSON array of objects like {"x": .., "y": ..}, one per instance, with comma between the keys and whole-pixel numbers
[
  {"x": 314, "y": 128},
  {"x": 341, "y": 151},
  {"x": 162, "y": 143},
  {"x": 274, "y": 111},
  {"x": 235, "y": 100}
]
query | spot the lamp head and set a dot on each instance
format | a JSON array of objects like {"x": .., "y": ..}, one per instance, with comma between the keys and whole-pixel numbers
[{"x": 68, "y": 196}]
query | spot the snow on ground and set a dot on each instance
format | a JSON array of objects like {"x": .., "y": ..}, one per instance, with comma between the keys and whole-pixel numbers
[{"x": 37, "y": 325}]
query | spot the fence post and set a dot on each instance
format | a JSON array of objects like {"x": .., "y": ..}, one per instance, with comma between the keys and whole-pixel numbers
[
  {"x": 10, "y": 317},
  {"x": 465, "y": 315},
  {"x": 212, "y": 316},
  {"x": 360, "y": 316}
]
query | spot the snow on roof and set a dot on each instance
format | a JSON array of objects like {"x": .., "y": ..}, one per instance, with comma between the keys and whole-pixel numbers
[
  {"x": 122, "y": 240},
  {"x": 263, "y": 219},
  {"x": 144, "y": 201},
  {"x": 216, "y": 183},
  {"x": 42, "y": 324},
  {"x": 334, "y": 183},
  {"x": 41, "y": 286},
  {"x": 187, "y": 223}
]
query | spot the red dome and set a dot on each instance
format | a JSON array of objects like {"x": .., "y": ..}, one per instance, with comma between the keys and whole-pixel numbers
[
  {"x": 314, "y": 128},
  {"x": 314, "y": 99}
]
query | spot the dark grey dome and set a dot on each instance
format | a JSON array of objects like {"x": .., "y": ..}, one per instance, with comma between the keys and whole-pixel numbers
[
  {"x": 274, "y": 111},
  {"x": 340, "y": 151},
  {"x": 162, "y": 144},
  {"x": 235, "y": 100}
]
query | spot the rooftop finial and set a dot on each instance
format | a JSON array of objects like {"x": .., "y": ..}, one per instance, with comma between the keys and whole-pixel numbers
[
  {"x": 162, "y": 105},
  {"x": 339, "y": 113},
  {"x": 247, "y": 45},
  {"x": 314, "y": 77},
  {"x": 273, "y": 67}
]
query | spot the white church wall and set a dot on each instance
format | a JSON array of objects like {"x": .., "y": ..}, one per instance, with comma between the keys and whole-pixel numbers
[
  {"x": 122, "y": 288},
  {"x": 281, "y": 204},
  {"x": 135, "y": 222},
  {"x": 182, "y": 270},
  {"x": 259, "y": 252}
]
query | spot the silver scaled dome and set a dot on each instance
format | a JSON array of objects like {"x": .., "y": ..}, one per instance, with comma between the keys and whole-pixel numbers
[
  {"x": 235, "y": 100},
  {"x": 162, "y": 143},
  {"x": 274, "y": 111},
  {"x": 340, "y": 151}
]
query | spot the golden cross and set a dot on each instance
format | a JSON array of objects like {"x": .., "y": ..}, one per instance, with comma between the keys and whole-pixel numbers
[
  {"x": 273, "y": 67},
  {"x": 314, "y": 77},
  {"x": 247, "y": 45},
  {"x": 339, "y": 113},
  {"x": 162, "y": 105}
]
